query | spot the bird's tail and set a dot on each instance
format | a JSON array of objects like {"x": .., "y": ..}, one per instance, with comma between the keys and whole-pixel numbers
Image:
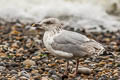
[
  {"x": 101, "y": 51},
  {"x": 95, "y": 47},
  {"x": 99, "y": 48}
]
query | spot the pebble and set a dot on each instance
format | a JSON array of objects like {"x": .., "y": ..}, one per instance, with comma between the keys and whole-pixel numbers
[
  {"x": 29, "y": 62},
  {"x": 59, "y": 61},
  {"x": 13, "y": 78},
  {"x": 14, "y": 65},
  {"x": 83, "y": 70},
  {"x": 70, "y": 62},
  {"x": 2, "y": 68},
  {"x": 24, "y": 78},
  {"x": 3, "y": 78},
  {"x": 52, "y": 72},
  {"x": 103, "y": 77},
  {"x": 35, "y": 75},
  {"x": 24, "y": 73},
  {"x": 55, "y": 77},
  {"x": 13, "y": 72},
  {"x": 118, "y": 63},
  {"x": 19, "y": 50},
  {"x": 2, "y": 64},
  {"x": 44, "y": 78}
]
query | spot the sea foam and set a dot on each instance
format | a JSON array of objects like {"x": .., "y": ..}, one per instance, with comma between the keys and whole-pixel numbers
[{"x": 93, "y": 15}]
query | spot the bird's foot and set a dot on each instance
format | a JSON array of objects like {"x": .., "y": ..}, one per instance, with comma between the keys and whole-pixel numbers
[
  {"x": 73, "y": 75},
  {"x": 66, "y": 73}
]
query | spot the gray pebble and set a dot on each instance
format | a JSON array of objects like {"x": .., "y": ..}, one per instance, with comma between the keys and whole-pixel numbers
[
  {"x": 2, "y": 64},
  {"x": 3, "y": 78},
  {"x": 2, "y": 68},
  {"x": 34, "y": 67},
  {"x": 55, "y": 77},
  {"x": 25, "y": 74},
  {"x": 103, "y": 77},
  {"x": 83, "y": 70},
  {"x": 13, "y": 72},
  {"x": 51, "y": 72}
]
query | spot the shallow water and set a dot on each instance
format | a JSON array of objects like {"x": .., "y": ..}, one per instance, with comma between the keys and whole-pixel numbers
[{"x": 93, "y": 15}]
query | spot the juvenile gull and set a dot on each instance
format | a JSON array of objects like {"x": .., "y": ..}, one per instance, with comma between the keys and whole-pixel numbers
[{"x": 67, "y": 44}]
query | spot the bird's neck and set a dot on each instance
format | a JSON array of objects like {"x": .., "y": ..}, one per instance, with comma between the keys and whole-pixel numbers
[
  {"x": 54, "y": 31},
  {"x": 57, "y": 30}
]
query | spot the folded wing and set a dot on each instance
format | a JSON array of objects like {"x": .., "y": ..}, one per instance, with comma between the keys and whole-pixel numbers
[{"x": 76, "y": 44}]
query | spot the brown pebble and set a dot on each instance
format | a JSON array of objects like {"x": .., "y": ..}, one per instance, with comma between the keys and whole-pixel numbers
[
  {"x": 44, "y": 78},
  {"x": 29, "y": 62}
]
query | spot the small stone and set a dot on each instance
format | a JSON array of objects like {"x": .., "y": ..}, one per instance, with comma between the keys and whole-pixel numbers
[
  {"x": 23, "y": 78},
  {"x": 113, "y": 43},
  {"x": 14, "y": 65},
  {"x": 51, "y": 72},
  {"x": 24, "y": 73},
  {"x": 19, "y": 38},
  {"x": 70, "y": 62},
  {"x": 116, "y": 74},
  {"x": 13, "y": 72},
  {"x": 61, "y": 70},
  {"x": 13, "y": 78},
  {"x": 118, "y": 63},
  {"x": 14, "y": 32},
  {"x": 51, "y": 65},
  {"x": 2, "y": 64},
  {"x": 2, "y": 68},
  {"x": 36, "y": 57},
  {"x": 3, "y": 78},
  {"x": 115, "y": 71},
  {"x": 29, "y": 62},
  {"x": 3, "y": 55},
  {"x": 28, "y": 69},
  {"x": 44, "y": 78},
  {"x": 36, "y": 76},
  {"x": 102, "y": 63},
  {"x": 59, "y": 61},
  {"x": 19, "y": 54},
  {"x": 34, "y": 71},
  {"x": 15, "y": 45},
  {"x": 83, "y": 70},
  {"x": 103, "y": 77},
  {"x": 106, "y": 40},
  {"x": 55, "y": 77}
]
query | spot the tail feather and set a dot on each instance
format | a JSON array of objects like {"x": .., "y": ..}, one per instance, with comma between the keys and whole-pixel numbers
[{"x": 94, "y": 47}]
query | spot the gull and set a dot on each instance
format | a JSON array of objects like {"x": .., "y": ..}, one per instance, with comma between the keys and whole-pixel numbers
[{"x": 67, "y": 44}]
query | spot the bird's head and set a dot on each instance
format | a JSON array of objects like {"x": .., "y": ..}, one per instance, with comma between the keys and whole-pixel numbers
[{"x": 49, "y": 24}]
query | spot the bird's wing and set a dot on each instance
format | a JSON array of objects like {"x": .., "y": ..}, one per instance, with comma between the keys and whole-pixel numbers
[
  {"x": 72, "y": 37},
  {"x": 75, "y": 43}
]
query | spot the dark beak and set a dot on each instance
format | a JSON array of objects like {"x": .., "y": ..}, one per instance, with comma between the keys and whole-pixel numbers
[{"x": 38, "y": 26}]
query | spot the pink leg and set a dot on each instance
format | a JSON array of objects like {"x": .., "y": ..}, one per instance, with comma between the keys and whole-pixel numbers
[
  {"x": 77, "y": 64},
  {"x": 66, "y": 71}
]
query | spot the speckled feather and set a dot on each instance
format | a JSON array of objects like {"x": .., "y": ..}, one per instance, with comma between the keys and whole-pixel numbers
[
  {"x": 68, "y": 44},
  {"x": 76, "y": 44}
]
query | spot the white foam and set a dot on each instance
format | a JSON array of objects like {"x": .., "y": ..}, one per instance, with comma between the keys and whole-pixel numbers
[{"x": 77, "y": 13}]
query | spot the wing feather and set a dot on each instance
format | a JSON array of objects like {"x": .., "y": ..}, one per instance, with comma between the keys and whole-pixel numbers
[{"x": 75, "y": 43}]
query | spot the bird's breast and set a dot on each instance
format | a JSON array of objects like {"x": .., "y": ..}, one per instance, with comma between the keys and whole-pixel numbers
[
  {"x": 48, "y": 37},
  {"x": 48, "y": 40}
]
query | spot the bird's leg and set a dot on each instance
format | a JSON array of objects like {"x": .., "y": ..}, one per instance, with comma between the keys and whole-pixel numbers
[
  {"x": 66, "y": 71},
  {"x": 77, "y": 64}
]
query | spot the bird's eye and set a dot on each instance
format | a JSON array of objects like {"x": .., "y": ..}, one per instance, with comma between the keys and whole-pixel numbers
[{"x": 48, "y": 22}]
